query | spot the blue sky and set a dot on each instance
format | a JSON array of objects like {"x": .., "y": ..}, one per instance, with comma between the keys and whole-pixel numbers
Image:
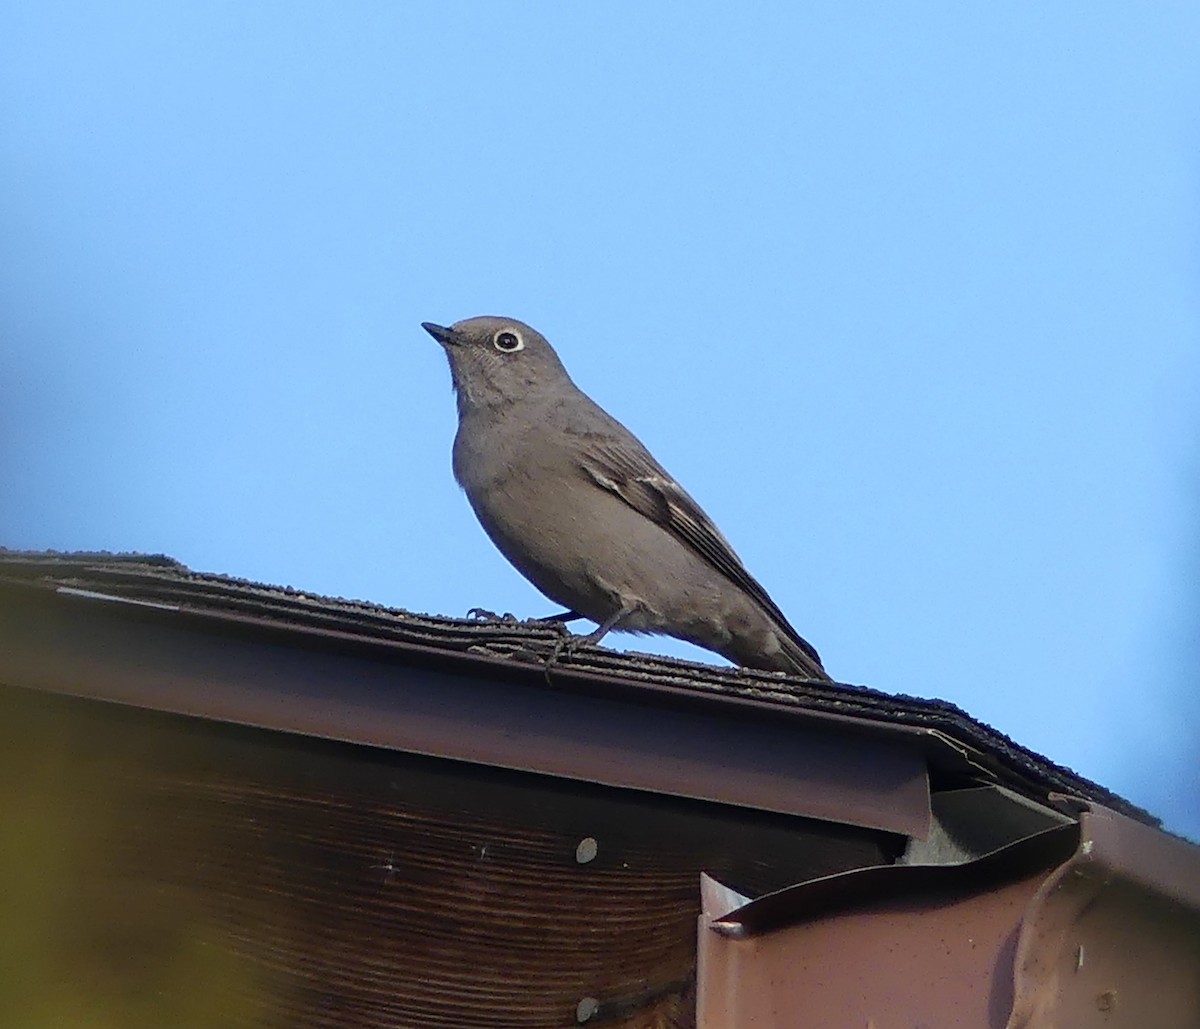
[{"x": 906, "y": 294}]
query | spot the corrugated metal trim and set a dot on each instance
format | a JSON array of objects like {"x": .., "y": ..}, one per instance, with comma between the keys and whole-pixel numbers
[{"x": 865, "y": 887}]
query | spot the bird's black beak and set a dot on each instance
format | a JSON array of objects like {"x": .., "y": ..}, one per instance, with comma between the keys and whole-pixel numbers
[{"x": 441, "y": 333}]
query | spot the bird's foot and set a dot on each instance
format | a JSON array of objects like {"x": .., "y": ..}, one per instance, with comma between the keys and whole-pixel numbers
[
  {"x": 566, "y": 647},
  {"x": 563, "y": 650}
]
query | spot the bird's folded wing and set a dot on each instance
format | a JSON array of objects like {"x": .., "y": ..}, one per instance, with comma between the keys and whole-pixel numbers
[{"x": 640, "y": 481}]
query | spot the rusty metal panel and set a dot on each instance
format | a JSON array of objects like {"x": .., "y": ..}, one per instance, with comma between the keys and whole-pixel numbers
[
  {"x": 1080, "y": 925},
  {"x": 938, "y": 961},
  {"x": 1112, "y": 938},
  {"x": 907, "y": 945},
  {"x": 145, "y": 657}
]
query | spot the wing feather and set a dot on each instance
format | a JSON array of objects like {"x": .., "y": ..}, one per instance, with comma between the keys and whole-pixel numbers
[{"x": 633, "y": 475}]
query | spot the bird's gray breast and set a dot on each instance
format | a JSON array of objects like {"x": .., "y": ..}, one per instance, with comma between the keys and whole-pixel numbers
[{"x": 522, "y": 475}]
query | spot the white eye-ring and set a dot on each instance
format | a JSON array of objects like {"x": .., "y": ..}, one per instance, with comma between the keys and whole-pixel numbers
[{"x": 508, "y": 341}]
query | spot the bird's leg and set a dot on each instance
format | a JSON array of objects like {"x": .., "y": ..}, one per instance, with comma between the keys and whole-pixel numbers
[
  {"x": 627, "y": 608},
  {"x": 569, "y": 644}
]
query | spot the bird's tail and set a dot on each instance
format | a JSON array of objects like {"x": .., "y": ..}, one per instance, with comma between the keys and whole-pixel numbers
[
  {"x": 775, "y": 647},
  {"x": 799, "y": 657}
]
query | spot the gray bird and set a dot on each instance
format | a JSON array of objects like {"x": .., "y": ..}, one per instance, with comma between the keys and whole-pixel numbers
[{"x": 581, "y": 509}]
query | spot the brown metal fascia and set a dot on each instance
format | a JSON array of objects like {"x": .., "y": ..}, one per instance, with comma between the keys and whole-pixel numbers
[
  {"x": 945, "y": 751},
  {"x": 1157, "y": 862},
  {"x": 158, "y": 659},
  {"x": 1112, "y": 938},
  {"x": 517, "y": 652}
]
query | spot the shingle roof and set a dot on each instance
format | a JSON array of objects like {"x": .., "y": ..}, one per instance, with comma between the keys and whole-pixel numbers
[{"x": 508, "y": 647}]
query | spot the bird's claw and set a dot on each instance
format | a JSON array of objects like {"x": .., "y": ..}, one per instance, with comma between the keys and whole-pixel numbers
[
  {"x": 549, "y": 625},
  {"x": 482, "y": 614},
  {"x": 563, "y": 650}
]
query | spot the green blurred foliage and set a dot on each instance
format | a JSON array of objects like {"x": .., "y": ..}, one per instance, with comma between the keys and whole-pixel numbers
[{"x": 88, "y": 939}]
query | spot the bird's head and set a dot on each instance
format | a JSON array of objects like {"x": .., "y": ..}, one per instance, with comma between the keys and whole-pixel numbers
[{"x": 498, "y": 361}]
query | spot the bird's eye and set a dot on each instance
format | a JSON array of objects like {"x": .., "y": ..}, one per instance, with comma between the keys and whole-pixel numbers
[{"x": 507, "y": 341}]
